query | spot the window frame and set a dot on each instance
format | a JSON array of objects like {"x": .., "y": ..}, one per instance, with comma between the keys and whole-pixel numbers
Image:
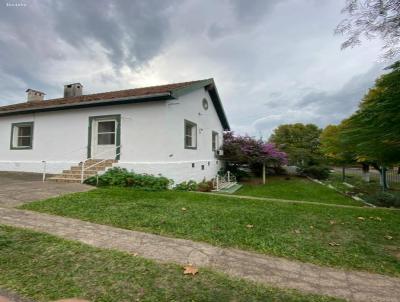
[
  {"x": 15, "y": 126},
  {"x": 214, "y": 134},
  {"x": 107, "y": 132},
  {"x": 192, "y": 124}
]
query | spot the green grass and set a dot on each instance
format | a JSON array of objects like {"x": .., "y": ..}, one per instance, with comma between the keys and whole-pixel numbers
[
  {"x": 222, "y": 221},
  {"x": 45, "y": 268},
  {"x": 296, "y": 188}
]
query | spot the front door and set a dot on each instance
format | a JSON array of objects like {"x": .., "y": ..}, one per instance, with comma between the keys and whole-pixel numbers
[{"x": 104, "y": 138}]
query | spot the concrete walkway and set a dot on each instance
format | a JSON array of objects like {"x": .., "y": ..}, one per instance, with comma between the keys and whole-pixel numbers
[
  {"x": 353, "y": 286},
  {"x": 298, "y": 201},
  {"x": 8, "y": 296},
  {"x": 17, "y": 188}
]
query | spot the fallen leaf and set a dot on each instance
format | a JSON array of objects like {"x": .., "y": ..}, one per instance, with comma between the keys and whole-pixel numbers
[
  {"x": 311, "y": 226},
  {"x": 332, "y": 221},
  {"x": 388, "y": 237},
  {"x": 334, "y": 244},
  {"x": 297, "y": 231},
  {"x": 190, "y": 270},
  {"x": 249, "y": 226},
  {"x": 183, "y": 209},
  {"x": 378, "y": 218},
  {"x": 360, "y": 218},
  {"x": 135, "y": 254}
]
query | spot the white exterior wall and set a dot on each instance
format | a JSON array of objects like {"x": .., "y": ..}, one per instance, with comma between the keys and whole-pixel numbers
[{"x": 152, "y": 138}]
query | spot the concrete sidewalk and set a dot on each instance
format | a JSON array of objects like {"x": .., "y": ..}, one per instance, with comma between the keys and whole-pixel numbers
[
  {"x": 279, "y": 272},
  {"x": 17, "y": 188}
]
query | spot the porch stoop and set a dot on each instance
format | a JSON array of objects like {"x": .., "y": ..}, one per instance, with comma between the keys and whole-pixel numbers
[{"x": 74, "y": 173}]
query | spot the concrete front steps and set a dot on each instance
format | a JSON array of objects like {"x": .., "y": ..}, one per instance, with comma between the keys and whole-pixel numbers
[{"x": 74, "y": 173}]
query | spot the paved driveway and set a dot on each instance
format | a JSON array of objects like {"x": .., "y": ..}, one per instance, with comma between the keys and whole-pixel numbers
[{"x": 17, "y": 188}]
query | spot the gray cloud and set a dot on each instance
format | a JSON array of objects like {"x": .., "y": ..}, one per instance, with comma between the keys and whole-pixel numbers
[
  {"x": 132, "y": 31},
  {"x": 319, "y": 107},
  {"x": 252, "y": 11},
  {"x": 32, "y": 37},
  {"x": 274, "y": 61}
]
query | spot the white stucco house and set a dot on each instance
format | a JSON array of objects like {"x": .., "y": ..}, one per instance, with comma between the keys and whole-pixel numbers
[{"x": 174, "y": 130}]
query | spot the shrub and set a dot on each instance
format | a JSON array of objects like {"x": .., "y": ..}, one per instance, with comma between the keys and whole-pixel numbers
[
  {"x": 384, "y": 199},
  {"x": 205, "y": 186},
  {"x": 190, "y": 185},
  {"x": 122, "y": 178},
  {"x": 315, "y": 171}
]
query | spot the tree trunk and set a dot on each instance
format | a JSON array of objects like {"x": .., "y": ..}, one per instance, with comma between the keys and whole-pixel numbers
[
  {"x": 343, "y": 173},
  {"x": 264, "y": 173},
  {"x": 383, "y": 178},
  {"x": 365, "y": 170}
]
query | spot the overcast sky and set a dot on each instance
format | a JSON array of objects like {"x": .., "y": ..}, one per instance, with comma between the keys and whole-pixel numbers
[{"x": 273, "y": 61}]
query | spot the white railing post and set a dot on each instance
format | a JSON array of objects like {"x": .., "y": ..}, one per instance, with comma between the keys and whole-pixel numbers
[
  {"x": 44, "y": 170},
  {"x": 229, "y": 176},
  {"x": 82, "y": 171},
  {"x": 217, "y": 182}
]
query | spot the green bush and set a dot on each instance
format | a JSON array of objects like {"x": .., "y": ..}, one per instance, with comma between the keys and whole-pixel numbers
[
  {"x": 122, "y": 178},
  {"x": 190, "y": 185},
  {"x": 384, "y": 199},
  {"x": 315, "y": 171}
]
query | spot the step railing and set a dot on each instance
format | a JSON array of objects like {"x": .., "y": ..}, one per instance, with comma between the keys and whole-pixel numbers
[
  {"x": 83, "y": 163},
  {"x": 45, "y": 163},
  {"x": 224, "y": 181}
]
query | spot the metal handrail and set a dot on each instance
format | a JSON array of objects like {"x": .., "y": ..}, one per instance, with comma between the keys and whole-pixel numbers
[
  {"x": 83, "y": 169},
  {"x": 219, "y": 181},
  {"x": 45, "y": 162}
]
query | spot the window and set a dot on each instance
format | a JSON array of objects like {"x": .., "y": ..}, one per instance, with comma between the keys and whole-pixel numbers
[
  {"x": 215, "y": 140},
  {"x": 106, "y": 133},
  {"x": 22, "y": 135},
  {"x": 202, "y": 167},
  {"x": 190, "y": 135},
  {"x": 193, "y": 165}
]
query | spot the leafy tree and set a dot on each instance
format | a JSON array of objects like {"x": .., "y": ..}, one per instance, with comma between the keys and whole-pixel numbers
[
  {"x": 300, "y": 142},
  {"x": 371, "y": 19},
  {"x": 335, "y": 148},
  {"x": 245, "y": 150},
  {"x": 375, "y": 128}
]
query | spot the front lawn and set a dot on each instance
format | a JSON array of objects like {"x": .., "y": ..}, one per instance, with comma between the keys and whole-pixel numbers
[
  {"x": 45, "y": 268},
  {"x": 353, "y": 238},
  {"x": 296, "y": 188}
]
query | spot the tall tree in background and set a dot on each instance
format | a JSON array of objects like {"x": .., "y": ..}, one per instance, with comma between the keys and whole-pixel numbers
[
  {"x": 337, "y": 150},
  {"x": 300, "y": 142},
  {"x": 375, "y": 128},
  {"x": 372, "y": 19}
]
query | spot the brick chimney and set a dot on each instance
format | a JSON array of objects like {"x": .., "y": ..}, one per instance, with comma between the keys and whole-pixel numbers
[
  {"x": 34, "y": 95},
  {"x": 71, "y": 90}
]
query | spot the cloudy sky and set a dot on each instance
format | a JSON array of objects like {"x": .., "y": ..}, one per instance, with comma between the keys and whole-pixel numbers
[{"x": 273, "y": 61}]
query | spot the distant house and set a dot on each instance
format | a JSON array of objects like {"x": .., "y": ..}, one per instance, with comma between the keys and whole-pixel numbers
[{"x": 174, "y": 130}]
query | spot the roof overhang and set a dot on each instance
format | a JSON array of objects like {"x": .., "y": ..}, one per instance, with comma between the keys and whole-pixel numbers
[
  {"x": 208, "y": 85},
  {"x": 88, "y": 104}
]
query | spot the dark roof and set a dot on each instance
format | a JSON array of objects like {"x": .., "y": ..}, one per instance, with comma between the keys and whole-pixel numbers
[{"x": 137, "y": 95}]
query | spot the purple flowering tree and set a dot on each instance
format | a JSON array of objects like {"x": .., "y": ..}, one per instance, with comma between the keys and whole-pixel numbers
[{"x": 246, "y": 150}]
